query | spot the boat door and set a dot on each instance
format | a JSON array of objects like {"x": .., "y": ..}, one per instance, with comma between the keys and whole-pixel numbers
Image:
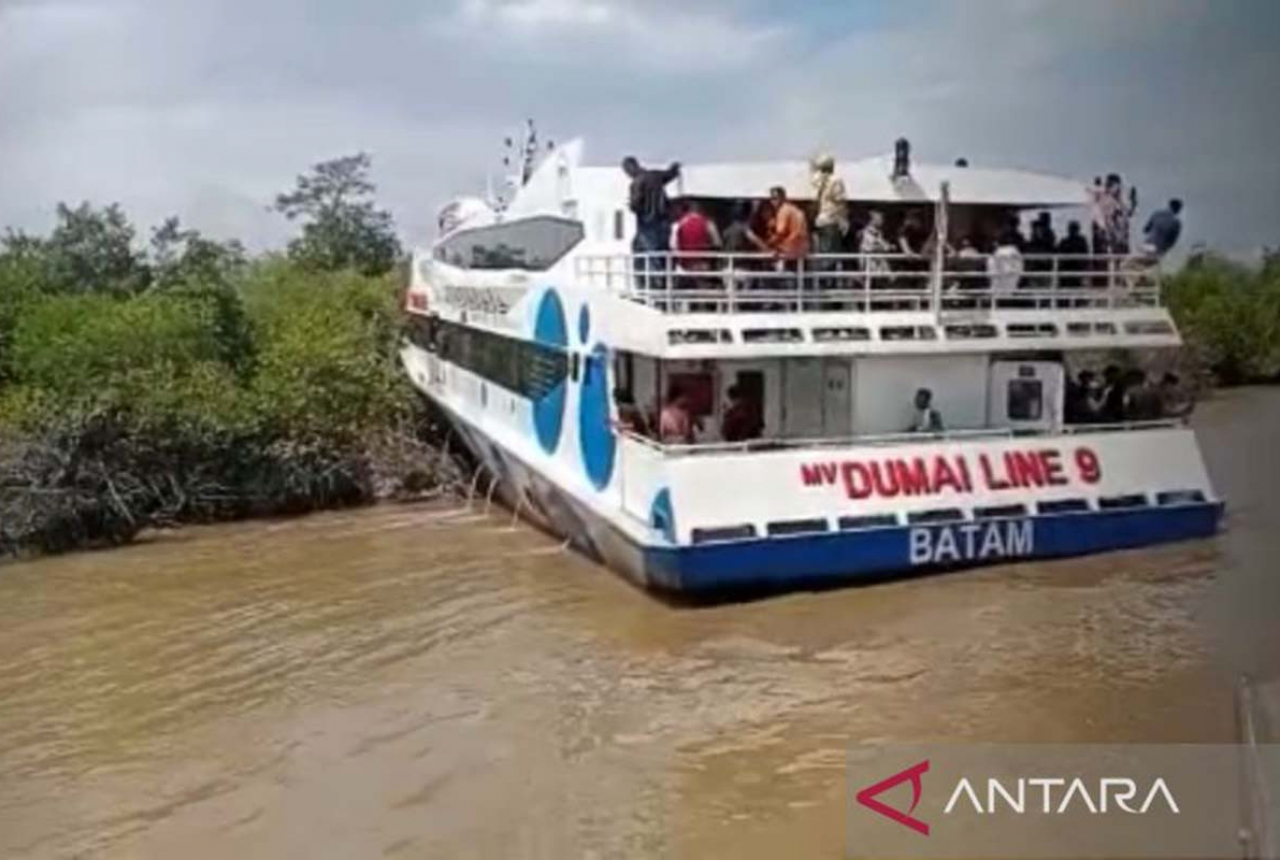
[
  {"x": 803, "y": 382},
  {"x": 837, "y": 398},
  {"x": 1025, "y": 395}
]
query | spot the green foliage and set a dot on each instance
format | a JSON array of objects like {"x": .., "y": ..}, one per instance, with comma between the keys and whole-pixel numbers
[
  {"x": 91, "y": 251},
  {"x": 184, "y": 257},
  {"x": 326, "y": 359},
  {"x": 185, "y": 381},
  {"x": 342, "y": 228},
  {"x": 1229, "y": 315}
]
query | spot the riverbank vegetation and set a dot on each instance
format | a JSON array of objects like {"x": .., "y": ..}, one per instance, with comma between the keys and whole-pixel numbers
[
  {"x": 1229, "y": 316},
  {"x": 188, "y": 381},
  {"x": 171, "y": 378}
]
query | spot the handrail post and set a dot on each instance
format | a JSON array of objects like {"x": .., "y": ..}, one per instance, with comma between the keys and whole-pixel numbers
[
  {"x": 670, "y": 270},
  {"x": 732, "y": 285}
]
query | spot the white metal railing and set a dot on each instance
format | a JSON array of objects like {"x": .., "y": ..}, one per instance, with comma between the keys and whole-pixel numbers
[
  {"x": 882, "y": 439},
  {"x": 730, "y": 283}
]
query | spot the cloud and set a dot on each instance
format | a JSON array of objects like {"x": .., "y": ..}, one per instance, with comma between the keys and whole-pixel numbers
[
  {"x": 207, "y": 109},
  {"x": 660, "y": 36}
]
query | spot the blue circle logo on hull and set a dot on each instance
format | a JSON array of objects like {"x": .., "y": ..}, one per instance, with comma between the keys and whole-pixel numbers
[
  {"x": 550, "y": 329},
  {"x": 595, "y": 436}
]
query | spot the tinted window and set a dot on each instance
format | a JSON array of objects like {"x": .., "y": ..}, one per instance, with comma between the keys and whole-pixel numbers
[
  {"x": 532, "y": 244},
  {"x": 1026, "y": 399},
  {"x": 523, "y": 367}
]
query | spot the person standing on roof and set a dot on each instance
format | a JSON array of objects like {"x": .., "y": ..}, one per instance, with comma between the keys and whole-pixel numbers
[{"x": 649, "y": 203}]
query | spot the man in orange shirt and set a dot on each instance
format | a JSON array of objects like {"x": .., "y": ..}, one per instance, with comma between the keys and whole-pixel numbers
[{"x": 788, "y": 231}]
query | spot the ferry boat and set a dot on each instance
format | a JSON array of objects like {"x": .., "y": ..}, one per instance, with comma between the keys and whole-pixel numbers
[{"x": 529, "y": 321}]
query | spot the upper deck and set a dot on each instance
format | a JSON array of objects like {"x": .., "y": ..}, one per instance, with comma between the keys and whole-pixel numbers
[
  {"x": 570, "y": 226},
  {"x": 893, "y": 301}
]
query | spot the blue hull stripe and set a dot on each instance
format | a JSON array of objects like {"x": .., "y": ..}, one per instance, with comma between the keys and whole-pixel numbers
[{"x": 808, "y": 560}]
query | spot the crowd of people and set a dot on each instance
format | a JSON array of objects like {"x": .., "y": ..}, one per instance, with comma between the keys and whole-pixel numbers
[
  {"x": 781, "y": 233},
  {"x": 1121, "y": 396}
]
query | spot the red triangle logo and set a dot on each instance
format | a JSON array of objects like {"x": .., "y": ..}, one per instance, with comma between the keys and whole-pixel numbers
[{"x": 867, "y": 797}]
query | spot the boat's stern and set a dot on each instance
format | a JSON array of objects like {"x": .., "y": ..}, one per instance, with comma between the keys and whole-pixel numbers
[{"x": 794, "y": 517}]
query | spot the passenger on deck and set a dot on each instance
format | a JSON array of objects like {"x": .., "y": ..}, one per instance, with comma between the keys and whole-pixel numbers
[
  {"x": 1115, "y": 213},
  {"x": 912, "y": 238},
  {"x": 692, "y": 237},
  {"x": 1083, "y": 398},
  {"x": 1005, "y": 265},
  {"x": 873, "y": 241},
  {"x": 1099, "y": 207},
  {"x": 928, "y": 419},
  {"x": 1162, "y": 230},
  {"x": 1174, "y": 400},
  {"x": 1113, "y": 388},
  {"x": 1042, "y": 243},
  {"x": 1073, "y": 244},
  {"x": 1142, "y": 402},
  {"x": 675, "y": 424},
  {"x": 788, "y": 231},
  {"x": 652, "y": 208},
  {"x": 743, "y": 417},
  {"x": 739, "y": 236},
  {"x": 630, "y": 418},
  {"x": 831, "y": 218}
]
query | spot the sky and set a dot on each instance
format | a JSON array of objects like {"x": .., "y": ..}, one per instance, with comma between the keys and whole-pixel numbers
[{"x": 207, "y": 109}]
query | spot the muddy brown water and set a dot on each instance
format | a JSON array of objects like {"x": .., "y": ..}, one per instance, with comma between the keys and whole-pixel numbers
[{"x": 427, "y": 682}]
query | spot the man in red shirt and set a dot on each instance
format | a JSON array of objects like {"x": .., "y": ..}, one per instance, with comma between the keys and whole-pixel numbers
[{"x": 695, "y": 234}]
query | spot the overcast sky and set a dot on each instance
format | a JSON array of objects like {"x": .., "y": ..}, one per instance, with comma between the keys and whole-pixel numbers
[{"x": 206, "y": 109}]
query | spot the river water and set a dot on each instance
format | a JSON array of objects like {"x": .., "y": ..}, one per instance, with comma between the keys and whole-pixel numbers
[{"x": 433, "y": 682}]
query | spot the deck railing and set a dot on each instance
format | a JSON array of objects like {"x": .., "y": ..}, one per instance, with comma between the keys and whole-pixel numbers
[
  {"x": 717, "y": 282},
  {"x": 881, "y": 439}
]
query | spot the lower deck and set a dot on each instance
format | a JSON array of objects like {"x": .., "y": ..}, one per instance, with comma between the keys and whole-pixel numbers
[{"x": 768, "y": 514}]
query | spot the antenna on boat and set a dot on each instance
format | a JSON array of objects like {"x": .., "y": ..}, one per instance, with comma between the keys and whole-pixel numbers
[
  {"x": 526, "y": 155},
  {"x": 901, "y": 159}
]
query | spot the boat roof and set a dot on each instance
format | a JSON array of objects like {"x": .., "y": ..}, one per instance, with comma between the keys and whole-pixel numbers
[
  {"x": 870, "y": 180},
  {"x": 563, "y": 175}
]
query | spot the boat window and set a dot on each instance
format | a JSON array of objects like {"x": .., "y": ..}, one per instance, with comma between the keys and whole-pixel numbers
[
  {"x": 797, "y": 527},
  {"x": 724, "y": 533},
  {"x": 994, "y": 512},
  {"x": 1141, "y": 327},
  {"x": 421, "y": 332},
  {"x": 619, "y": 224},
  {"x": 772, "y": 335},
  {"x": 531, "y": 244},
  {"x": 1026, "y": 400},
  {"x": 1063, "y": 506},
  {"x": 908, "y": 332},
  {"x": 1180, "y": 497},
  {"x": 971, "y": 332},
  {"x": 828, "y": 335},
  {"x": 1132, "y": 500},
  {"x": 1032, "y": 330},
  {"x": 677, "y": 337},
  {"x": 1079, "y": 329},
  {"x": 523, "y": 367},
  {"x": 868, "y": 521},
  {"x": 936, "y": 515}
]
